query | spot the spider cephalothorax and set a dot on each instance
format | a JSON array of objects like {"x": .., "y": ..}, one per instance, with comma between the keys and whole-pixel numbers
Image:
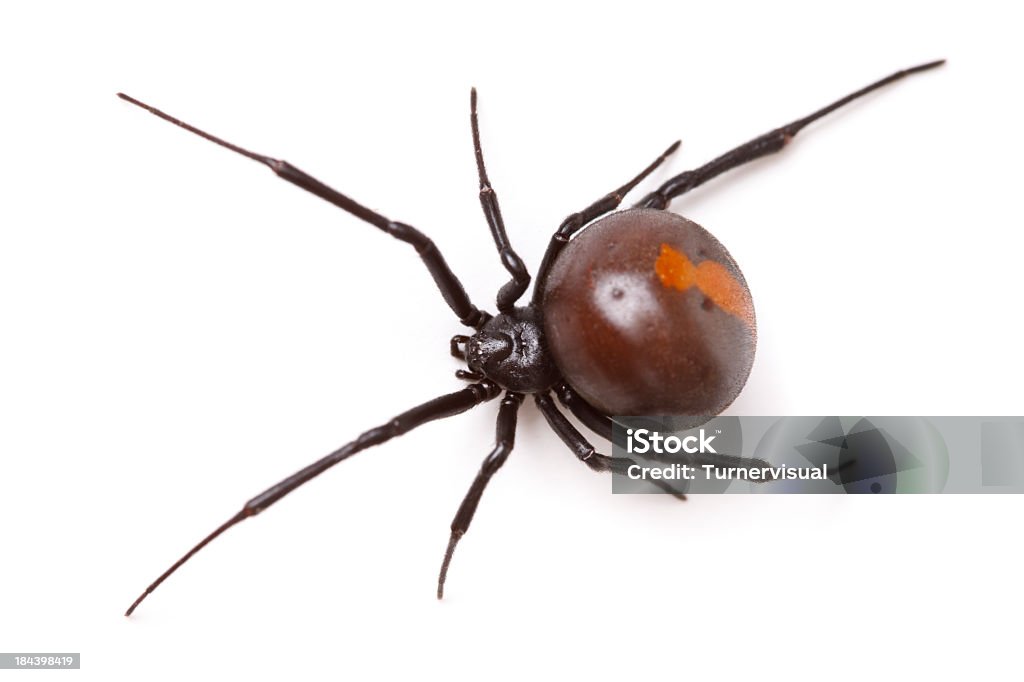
[
  {"x": 510, "y": 351},
  {"x": 645, "y": 312}
]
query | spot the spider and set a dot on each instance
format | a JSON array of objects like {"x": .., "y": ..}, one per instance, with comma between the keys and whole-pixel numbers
[{"x": 644, "y": 312}]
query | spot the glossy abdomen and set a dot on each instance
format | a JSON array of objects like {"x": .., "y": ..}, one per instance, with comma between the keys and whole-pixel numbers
[{"x": 645, "y": 312}]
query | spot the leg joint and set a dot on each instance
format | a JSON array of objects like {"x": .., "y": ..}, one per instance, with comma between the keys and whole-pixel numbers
[
  {"x": 655, "y": 200},
  {"x": 485, "y": 390},
  {"x": 514, "y": 264},
  {"x": 410, "y": 235},
  {"x": 476, "y": 319}
]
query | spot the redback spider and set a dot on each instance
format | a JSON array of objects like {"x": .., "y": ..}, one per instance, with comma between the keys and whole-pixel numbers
[{"x": 644, "y": 312}]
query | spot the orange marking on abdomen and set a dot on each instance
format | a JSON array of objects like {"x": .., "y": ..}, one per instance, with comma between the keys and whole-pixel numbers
[{"x": 713, "y": 280}]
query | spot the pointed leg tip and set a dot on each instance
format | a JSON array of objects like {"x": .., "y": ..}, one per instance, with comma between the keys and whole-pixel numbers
[
  {"x": 131, "y": 100},
  {"x": 928, "y": 66},
  {"x": 443, "y": 575}
]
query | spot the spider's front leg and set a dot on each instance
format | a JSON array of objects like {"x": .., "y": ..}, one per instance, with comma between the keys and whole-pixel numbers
[
  {"x": 447, "y": 283},
  {"x": 439, "y": 408}
]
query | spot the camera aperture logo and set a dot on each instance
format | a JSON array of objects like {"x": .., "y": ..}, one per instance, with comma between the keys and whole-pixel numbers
[{"x": 691, "y": 449}]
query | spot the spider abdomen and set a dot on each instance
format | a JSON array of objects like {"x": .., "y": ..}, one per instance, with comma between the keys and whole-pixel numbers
[{"x": 645, "y": 312}]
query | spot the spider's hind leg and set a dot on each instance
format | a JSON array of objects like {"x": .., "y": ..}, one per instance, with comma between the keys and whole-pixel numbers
[
  {"x": 769, "y": 143},
  {"x": 602, "y": 425},
  {"x": 575, "y": 222},
  {"x": 586, "y": 452}
]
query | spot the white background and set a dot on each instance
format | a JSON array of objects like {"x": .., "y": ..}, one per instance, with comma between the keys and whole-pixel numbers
[{"x": 180, "y": 329}]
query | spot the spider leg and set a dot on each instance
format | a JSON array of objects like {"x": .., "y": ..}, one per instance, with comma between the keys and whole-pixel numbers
[
  {"x": 594, "y": 420},
  {"x": 449, "y": 285},
  {"x": 769, "y": 143},
  {"x": 505, "y": 440},
  {"x": 602, "y": 425},
  {"x": 583, "y": 450},
  {"x": 512, "y": 290},
  {"x": 438, "y": 408},
  {"x": 576, "y": 221}
]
